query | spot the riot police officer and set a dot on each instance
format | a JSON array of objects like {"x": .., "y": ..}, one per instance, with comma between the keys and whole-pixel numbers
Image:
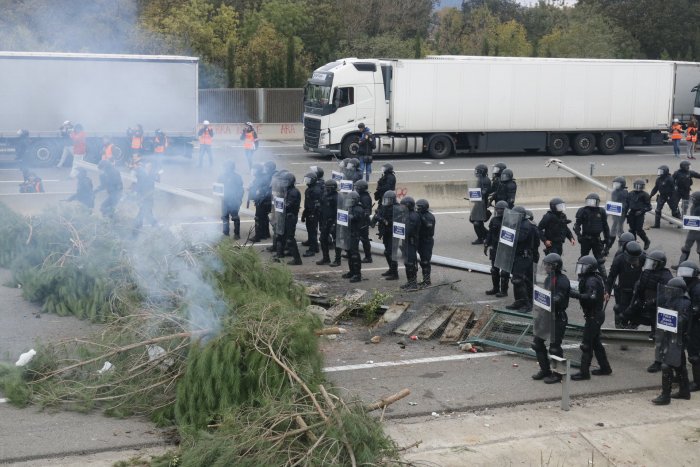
[
  {"x": 318, "y": 171},
  {"x": 425, "y": 239},
  {"x": 553, "y": 227},
  {"x": 693, "y": 236},
  {"x": 413, "y": 223},
  {"x": 499, "y": 278},
  {"x": 387, "y": 182},
  {"x": 521, "y": 275},
  {"x": 356, "y": 219},
  {"x": 558, "y": 283},
  {"x": 619, "y": 195},
  {"x": 591, "y": 222},
  {"x": 683, "y": 180},
  {"x": 643, "y": 307},
  {"x": 484, "y": 183},
  {"x": 623, "y": 240},
  {"x": 327, "y": 219},
  {"x": 639, "y": 204},
  {"x": 384, "y": 218},
  {"x": 626, "y": 269},
  {"x": 292, "y": 204},
  {"x": 257, "y": 191},
  {"x": 590, "y": 294},
  {"x": 665, "y": 188},
  {"x": 353, "y": 168},
  {"x": 690, "y": 271},
  {"x": 269, "y": 171},
  {"x": 670, "y": 348},
  {"x": 506, "y": 189},
  {"x": 496, "y": 172},
  {"x": 366, "y": 202},
  {"x": 232, "y": 199},
  {"x": 312, "y": 206}
]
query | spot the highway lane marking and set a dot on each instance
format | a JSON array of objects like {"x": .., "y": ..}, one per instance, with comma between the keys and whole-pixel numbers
[
  {"x": 21, "y": 181},
  {"x": 35, "y": 194},
  {"x": 415, "y": 361},
  {"x": 431, "y": 170},
  {"x": 2, "y": 401},
  {"x": 246, "y": 221}
]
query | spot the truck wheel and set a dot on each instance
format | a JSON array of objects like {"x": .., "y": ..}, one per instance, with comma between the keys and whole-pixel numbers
[
  {"x": 42, "y": 154},
  {"x": 584, "y": 144},
  {"x": 440, "y": 147},
  {"x": 610, "y": 143},
  {"x": 558, "y": 144},
  {"x": 119, "y": 152},
  {"x": 349, "y": 146}
]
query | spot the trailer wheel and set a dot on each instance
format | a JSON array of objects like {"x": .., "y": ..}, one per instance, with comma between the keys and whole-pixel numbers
[
  {"x": 119, "y": 152},
  {"x": 558, "y": 144},
  {"x": 440, "y": 147},
  {"x": 42, "y": 154},
  {"x": 610, "y": 143},
  {"x": 584, "y": 144},
  {"x": 349, "y": 147}
]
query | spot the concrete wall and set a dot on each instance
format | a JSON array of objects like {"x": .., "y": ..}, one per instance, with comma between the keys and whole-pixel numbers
[{"x": 266, "y": 131}]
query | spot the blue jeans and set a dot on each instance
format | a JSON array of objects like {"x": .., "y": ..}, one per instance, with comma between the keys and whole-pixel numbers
[
  {"x": 365, "y": 168},
  {"x": 677, "y": 147}
]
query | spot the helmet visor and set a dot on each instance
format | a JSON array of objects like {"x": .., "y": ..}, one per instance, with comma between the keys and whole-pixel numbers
[
  {"x": 633, "y": 260},
  {"x": 307, "y": 180},
  {"x": 649, "y": 264},
  {"x": 581, "y": 268},
  {"x": 592, "y": 202},
  {"x": 638, "y": 186},
  {"x": 561, "y": 207},
  {"x": 388, "y": 201},
  {"x": 659, "y": 172},
  {"x": 496, "y": 170},
  {"x": 549, "y": 268},
  {"x": 314, "y": 168},
  {"x": 617, "y": 185},
  {"x": 684, "y": 271}
]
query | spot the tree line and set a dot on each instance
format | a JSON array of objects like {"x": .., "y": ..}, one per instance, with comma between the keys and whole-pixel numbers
[{"x": 277, "y": 43}]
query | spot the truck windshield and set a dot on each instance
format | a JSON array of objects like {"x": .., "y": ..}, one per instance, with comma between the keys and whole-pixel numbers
[{"x": 317, "y": 99}]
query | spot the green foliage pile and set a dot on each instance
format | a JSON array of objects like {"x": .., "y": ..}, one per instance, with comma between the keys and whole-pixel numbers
[{"x": 14, "y": 233}]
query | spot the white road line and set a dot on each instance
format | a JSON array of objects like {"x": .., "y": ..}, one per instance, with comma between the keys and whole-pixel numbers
[
  {"x": 655, "y": 155},
  {"x": 415, "y": 361},
  {"x": 343, "y": 270},
  {"x": 38, "y": 194},
  {"x": 20, "y": 181},
  {"x": 432, "y": 170},
  {"x": 212, "y": 222},
  {"x": 484, "y": 302},
  {"x": 2, "y": 401}
]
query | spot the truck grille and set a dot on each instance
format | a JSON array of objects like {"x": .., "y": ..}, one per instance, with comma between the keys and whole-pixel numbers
[{"x": 312, "y": 132}]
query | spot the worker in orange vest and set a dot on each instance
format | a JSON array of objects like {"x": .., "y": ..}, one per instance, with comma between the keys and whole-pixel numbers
[
  {"x": 250, "y": 142},
  {"x": 676, "y": 135},
  {"x": 136, "y": 135},
  {"x": 107, "y": 150},
  {"x": 206, "y": 135},
  {"x": 160, "y": 142},
  {"x": 691, "y": 137}
]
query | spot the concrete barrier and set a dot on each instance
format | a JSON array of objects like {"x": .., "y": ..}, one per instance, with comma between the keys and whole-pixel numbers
[{"x": 266, "y": 131}]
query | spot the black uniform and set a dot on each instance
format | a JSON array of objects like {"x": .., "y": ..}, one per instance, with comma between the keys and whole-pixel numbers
[
  {"x": 312, "y": 206},
  {"x": 683, "y": 180},
  {"x": 357, "y": 214},
  {"x": 145, "y": 187},
  {"x": 560, "y": 302},
  {"x": 483, "y": 182},
  {"x": 384, "y": 219},
  {"x": 553, "y": 227},
  {"x": 591, "y": 222},
  {"x": 505, "y": 191},
  {"x": 664, "y": 342},
  {"x": 591, "y": 296},
  {"x": 693, "y": 334},
  {"x": 426, "y": 243},
  {"x": 111, "y": 181},
  {"x": 84, "y": 192},
  {"x": 259, "y": 192},
  {"x": 692, "y": 237},
  {"x": 639, "y": 204},
  {"x": 327, "y": 219},
  {"x": 665, "y": 188},
  {"x": 620, "y": 195},
  {"x": 413, "y": 224},
  {"x": 523, "y": 265},
  {"x": 387, "y": 182},
  {"x": 231, "y": 202},
  {"x": 292, "y": 204},
  {"x": 643, "y": 307},
  {"x": 366, "y": 203},
  {"x": 627, "y": 274},
  {"x": 498, "y": 277}
]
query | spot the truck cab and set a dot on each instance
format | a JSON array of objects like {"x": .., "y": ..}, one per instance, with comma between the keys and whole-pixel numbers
[{"x": 338, "y": 97}]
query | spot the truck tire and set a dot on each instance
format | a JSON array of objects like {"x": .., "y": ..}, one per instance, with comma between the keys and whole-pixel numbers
[
  {"x": 610, "y": 143},
  {"x": 349, "y": 146},
  {"x": 43, "y": 153},
  {"x": 558, "y": 144},
  {"x": 440, "y": 147},
  {"x": 584, "y": 144},
  {"x": 120, "y": 152}
]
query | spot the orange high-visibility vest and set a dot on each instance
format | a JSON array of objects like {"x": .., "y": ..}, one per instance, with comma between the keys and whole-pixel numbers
[
  {"x": 676, "y": 131},
  {"x": 205, "y": 138},
  {"x": 136, "y": 142},
  {"x": 161, "y": 144},
  {"x": 691, "y": 134},
  {"x": 107, "y": 152},
  {"x": 249, "y": 142}
]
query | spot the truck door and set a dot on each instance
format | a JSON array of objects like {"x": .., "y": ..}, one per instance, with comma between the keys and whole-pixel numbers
[{"x": 344, "y": 118}]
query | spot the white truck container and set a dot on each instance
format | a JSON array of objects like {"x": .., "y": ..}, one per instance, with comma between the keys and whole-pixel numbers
[
  {"x": 444, "y": 104},
  {"x": 106, "y": 94}
]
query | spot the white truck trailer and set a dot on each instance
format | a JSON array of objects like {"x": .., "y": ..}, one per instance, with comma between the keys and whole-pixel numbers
[
  {"x": 442, "y": 104},
  {"x": 106, "y": 94}
]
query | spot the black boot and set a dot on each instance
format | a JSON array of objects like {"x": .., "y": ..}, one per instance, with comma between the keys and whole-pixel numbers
[
  {"x": 657, "y": 221},
  {"x": 325, "y": 260},
  {"x": 544, "y": 366},
  {"x": 495, "y": 280},
  {"x": 683, "y": 386},
  {"x": 336, "y": 261},
  {"x": 411, "y": 274},
  {"x": 393, "y": 273},
  {"x": 584, "y": 372},
  {"x": 294, "y": 251},
  {"x": 604, "y": 368},
  {"x": 426, "y": 280},
  {"x": 665, "y": 397},
  {"x": 695, "y": 385},
  {"x": 504, "y": 288},
  {"x": 368, "y": 252}
]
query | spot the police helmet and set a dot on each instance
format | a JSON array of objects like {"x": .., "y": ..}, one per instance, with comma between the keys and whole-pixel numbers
[
  {"x": 685, "y": 165},
  {"x": 270, "y": 166},
  {"x": 586, "y": 265},
  {"x": 695, "y": 197},
  {"x": 331, "y": 185},
  {"x": 355, "y": 162},
  {"x": 361, "y": 186},
  {"x": 361, "y": 126},
  {"x": 625, "y": 238},
  {"x": 409, "y": 202},
  {"x": 290, "y": 178},
  {"x": 501, "y": 206},
  {"x": 318, "y": 171},
  {"x": 619, "y": 182},
  {"x": 688, "y": 269},
  {"x": 389, "y": 198},
  {"x": 310, "y": 179},
  {"x": 352, "y": 199},
  {"x": 506, "y": 175},
  {"x": 633, "y": 252},
  {"x": 677, "y": 283},
  {"x": 387, "y": 168},
  {"x": 520, "y": 210},
  {"x": 342, "y": 163},
  {"x": 529, "y": 215},
  {"x": 552, "y": 262},
  {"x": 639, "y": 184},
  {"x": 592, "y": 200},
  {"x": 655, "y": 261},
  {"x": 481, "y": 169},
  {"x": 662, "y": 170},
  {"x": 498, "y": 167},
  {"x": 422, "y": 205},
  {"x": 557, "y": 205}
]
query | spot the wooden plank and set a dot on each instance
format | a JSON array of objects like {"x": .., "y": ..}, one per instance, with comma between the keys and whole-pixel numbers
[
  {"x": 393, "y": 312},
  {"x": 348, "y": 302},
  {"x": 409, "y": 327},
  {"x": 455, "y": 328},
  {"x": 435, "y": 322}
]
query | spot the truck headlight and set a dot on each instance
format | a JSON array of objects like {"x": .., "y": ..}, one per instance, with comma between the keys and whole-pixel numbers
[{"x": 323, "y": 138}]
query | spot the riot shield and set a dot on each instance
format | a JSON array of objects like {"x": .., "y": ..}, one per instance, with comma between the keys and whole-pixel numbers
[
  {"x": 542, "y": 313},
  {"x": 507, "y": 239},
  {"x": 337, "y": 176},
  {"x": 398, "y": 231},
  {"x": 342, "y": 222},
  {"x": 669, "y": 335},
  {"x": 345, "y": 186},
  {"x": 349, "y": 174},
  {"x": 476, "y": 200},
  {"x": 279, "y": 192}
]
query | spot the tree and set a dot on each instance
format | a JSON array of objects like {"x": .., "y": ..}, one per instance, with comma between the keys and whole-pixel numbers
[{"x": 449, "y": 31}]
